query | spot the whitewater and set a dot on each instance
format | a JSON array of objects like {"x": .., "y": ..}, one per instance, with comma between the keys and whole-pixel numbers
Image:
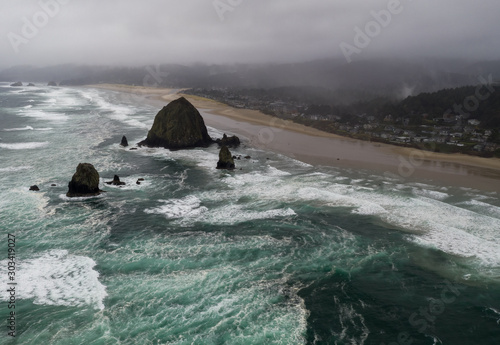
[{"x": 276, "y": 252}]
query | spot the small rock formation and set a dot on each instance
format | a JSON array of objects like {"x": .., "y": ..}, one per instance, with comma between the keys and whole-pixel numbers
[
  {"x": 179, "y": 125},
  {"x": 17, "y": 84},
  {"x": 116, "y": 181},
  {"x": 31, "y": 84},
  {"x": 225, "y": 159},
  {"x": 133, "y": 149},
  {"x": 124, "y": 142},
  {"x": 53, "y": 185},
  {"x": 85, "y": 182},
  {"x": 247, "y": 157},
  {"x": 34, "y": 188},
  {"x": 52, "y": 83},
  {"x": 233, "y": 141}
]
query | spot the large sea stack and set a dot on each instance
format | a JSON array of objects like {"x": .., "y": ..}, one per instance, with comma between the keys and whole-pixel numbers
[
  {"x": 85, "y": 182},
  {"x": 179, "y": 125}
]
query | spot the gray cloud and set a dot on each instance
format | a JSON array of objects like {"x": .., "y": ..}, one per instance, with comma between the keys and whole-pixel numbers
[{"x": 130, "y": 32}]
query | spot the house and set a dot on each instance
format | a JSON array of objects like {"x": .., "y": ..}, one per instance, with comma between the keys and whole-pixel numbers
[
  {"x": 491, "y": 147},
  {"x": 403, "y": 139}
]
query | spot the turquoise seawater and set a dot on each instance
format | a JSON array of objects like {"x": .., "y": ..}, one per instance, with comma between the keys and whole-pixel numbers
[{"x": 279, "y": 252}]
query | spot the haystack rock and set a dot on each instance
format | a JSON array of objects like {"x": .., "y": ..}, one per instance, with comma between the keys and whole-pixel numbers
[
  {"x": 85, "y": 182},
  {"x": 225, "y": 159},
  {"x": 124, "y": 142},
  {"x": 179, "y": 125},
  {"x": 233, "y": 141}
]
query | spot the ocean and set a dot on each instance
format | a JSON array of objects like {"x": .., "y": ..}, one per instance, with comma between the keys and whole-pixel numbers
[{"x": 274, "y": 252}]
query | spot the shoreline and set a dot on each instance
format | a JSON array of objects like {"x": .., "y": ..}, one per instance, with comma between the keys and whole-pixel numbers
[{"x": 320, "y": 148}]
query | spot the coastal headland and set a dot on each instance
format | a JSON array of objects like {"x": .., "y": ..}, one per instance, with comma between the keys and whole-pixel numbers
[{"x": 319, "y": 148}]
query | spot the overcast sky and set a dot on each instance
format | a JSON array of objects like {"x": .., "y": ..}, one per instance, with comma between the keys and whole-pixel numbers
[{"x": 133, "y": 32}]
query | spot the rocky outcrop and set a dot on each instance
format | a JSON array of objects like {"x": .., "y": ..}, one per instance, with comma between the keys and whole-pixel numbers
[
  {"x": 179, "y": 125},
  {"x": 85, "y": 182},
  {"x": 225, "y": 159},
  {"x": 116, "y": 181},
  {"x": 124, "y": 141},
  {"x": 34, "y": 188},
  {"x": 52, "y": 83},
  {"x": 233, "y": 141},
  {"x": 17, "y": 84},
  {"x": 31, "y": 84}
]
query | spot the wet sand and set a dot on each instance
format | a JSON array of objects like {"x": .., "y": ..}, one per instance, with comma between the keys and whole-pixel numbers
[{"x": 321, "y": 148}]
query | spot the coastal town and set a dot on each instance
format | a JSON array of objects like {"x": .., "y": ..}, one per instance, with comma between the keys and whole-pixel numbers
[{"x": 447, "y": 133}]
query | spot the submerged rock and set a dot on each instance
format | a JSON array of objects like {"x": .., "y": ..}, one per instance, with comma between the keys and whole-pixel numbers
[
  {"x": 178, "y": 125},
  {"x": 225, "y": 159},
  {"x": 233, "y": 141},
  {"x": 85, "y": 182},
  {"x": 52, "y": 83},
  {"x": 116, "y": 181},
  {"x": 124, "y": 141},
  {"x": 34, "y": 188},
  {"x": 17, "y": 84}
]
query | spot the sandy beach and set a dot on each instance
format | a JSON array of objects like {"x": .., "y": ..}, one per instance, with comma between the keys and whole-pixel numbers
[{"x": 321, "y": 148}]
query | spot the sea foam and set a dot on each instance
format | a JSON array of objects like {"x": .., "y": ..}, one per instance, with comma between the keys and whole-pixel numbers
[
  {"x": 23, "y": 146},
  {"x": 59, "y": 278}
]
